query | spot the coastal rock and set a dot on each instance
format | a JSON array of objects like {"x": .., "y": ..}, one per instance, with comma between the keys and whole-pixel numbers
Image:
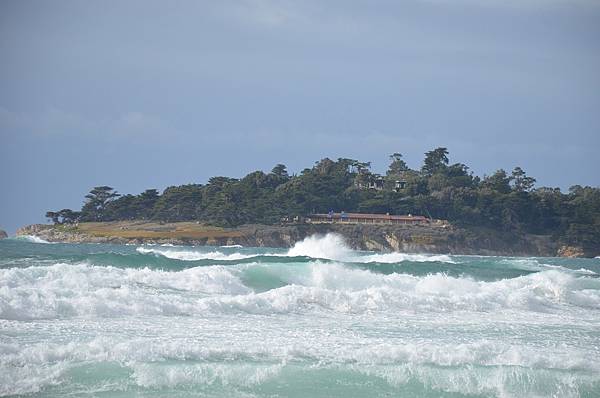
[
  {"x": 33, "y": 229},
  {"x": 3, "y": 234},
  {"x": 570, "y": 251},
  {"x": 429, "y": 238}
]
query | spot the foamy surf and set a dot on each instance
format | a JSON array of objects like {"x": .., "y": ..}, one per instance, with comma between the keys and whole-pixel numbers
[
  {"x": 194, "y": 255},
  {"x": 33, "y": 239},
  {"x": 333, "y": 247},
  {"x": 318, "y": 319},
  {"x": 533, "y": 264},
  {"x": 64, "y": 290},
  {"x": 326, "y": 247},
  {"x": 157, "y": 363}
]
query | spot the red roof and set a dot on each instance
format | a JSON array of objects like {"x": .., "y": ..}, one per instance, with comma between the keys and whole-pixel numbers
[{"x": 367, "y": 216}]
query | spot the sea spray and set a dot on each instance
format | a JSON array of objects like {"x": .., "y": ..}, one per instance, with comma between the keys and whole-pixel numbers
[
  {"x": 32, "y": 239},
  {"x": 333, "y": 247},
  {"x": 330, "y": 246}
]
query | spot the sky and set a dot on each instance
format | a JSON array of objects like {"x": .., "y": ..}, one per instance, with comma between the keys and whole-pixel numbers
[{"x": 148, "y": 94}]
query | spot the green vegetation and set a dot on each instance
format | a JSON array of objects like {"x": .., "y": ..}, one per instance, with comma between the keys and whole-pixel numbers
[{"x": 501, "y": 201}]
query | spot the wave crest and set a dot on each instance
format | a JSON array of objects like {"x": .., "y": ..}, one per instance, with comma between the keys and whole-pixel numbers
[
  {"x": 193, "y": 255},
  {"x": 489, "y": 366},
  {"x": 64, "y": 290},
  {"x": 33, "y": 239},
  {"x": 333, "y": 247}
]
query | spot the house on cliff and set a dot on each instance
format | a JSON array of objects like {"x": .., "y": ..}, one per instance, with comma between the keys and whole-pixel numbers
[{"x": 366, "y": 218}]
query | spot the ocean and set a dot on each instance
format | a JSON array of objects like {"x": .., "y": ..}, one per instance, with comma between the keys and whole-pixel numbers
[{"x": 316, "y": 320}]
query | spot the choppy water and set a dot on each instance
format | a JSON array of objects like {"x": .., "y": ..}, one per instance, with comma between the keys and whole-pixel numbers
[{"x": 318, "y": 320}]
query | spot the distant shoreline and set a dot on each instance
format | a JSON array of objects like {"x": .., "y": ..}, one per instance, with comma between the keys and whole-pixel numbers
[{"x": 446, "y": 239}]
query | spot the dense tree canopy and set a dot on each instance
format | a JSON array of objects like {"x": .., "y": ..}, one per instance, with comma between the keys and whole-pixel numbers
[
  {"x": 501, "y": 201},
  {"x": 97, "y": 201}
]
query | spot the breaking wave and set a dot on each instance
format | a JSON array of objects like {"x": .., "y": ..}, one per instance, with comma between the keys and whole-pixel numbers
[
  {"x": 32, "y": 239},
  {"x": 318, "y": 318},
  {"x": 324, "y": 247},
  {"x": 171, "y": 363},
  {"x": 66, "y": 290},
  {"x": 193, "y": 255},
  {"x": 333, "y": 247},
  {"x": 535, "y": 265}
]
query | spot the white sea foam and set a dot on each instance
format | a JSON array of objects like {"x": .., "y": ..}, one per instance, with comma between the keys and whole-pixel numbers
[
  {"x": 194, "y": 255},
  {"x": 64, "y": 290},
  {"x": 26, "y": 378},
  {"x": 158, "y": 362},
  {"x": 330, "y": 247},
  {"x": 33, "y": 239},
  {"x": 333, "y": 247},
  {"x": 356, "y": 291},
  {"x": 244, "y": 375},
  {"x": 533, "y": 264},
  {"x": 497, "y": 381},
  {"x": 478, "y": 353},
  {"x": 255, "y": 328},
  {"x": 401, "y": 257}
]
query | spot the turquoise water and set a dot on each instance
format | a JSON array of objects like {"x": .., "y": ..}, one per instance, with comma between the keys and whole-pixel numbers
[{"x": 317, "y": 320}]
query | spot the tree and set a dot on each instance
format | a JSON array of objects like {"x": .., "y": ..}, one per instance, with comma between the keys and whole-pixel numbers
[
  {"x": 397, "y": 165},
  {"x": 185, "y": 202},
  {"x": 64, "y": 216},
  {"x": 348, "y": 164},
  {"x": 146, "y": 202},
  {"x": 149, "y": 195},
  {"x": 53, "y": 216},
  {"x": 502, "y": 202},
  {"x": 69, "y": 216},
  {"x": 97, "y": 200},
  {"x": 521, "y": 182},
  {"x": 324, "y": 166},
  {"x": 435, "y": 161},
  {"x": 363, "y": 167},
  {"x": 499, "y": 182},
  {"x": 280, "y": 171}
]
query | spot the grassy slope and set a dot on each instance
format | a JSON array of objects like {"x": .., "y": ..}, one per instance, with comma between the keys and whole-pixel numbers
[{"x": 152, "y": 230}]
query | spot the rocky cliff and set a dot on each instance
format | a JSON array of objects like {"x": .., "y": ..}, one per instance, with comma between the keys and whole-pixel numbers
[{"x": 403, "y": 238}]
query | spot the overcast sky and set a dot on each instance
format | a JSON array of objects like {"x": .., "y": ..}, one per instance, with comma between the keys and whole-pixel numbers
[{"x": 148, "y": 94}]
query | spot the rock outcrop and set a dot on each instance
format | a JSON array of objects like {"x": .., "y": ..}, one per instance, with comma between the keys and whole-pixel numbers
[
  {"x": 3, "y": 234},
  {"x": 571, "y": 251},
  {"x": 434, "y": 238}
]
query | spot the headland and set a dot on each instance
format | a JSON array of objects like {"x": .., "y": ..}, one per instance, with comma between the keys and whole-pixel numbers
[{"x": 417, "y": 238}]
